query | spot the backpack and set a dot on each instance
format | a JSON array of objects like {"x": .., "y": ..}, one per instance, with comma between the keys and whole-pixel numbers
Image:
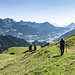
[{"x": 61, "y": 43}]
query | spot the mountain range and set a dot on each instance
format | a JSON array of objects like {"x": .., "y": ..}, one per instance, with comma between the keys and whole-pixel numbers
[
  {"x": 45, "y": 28},
  {"x": 31, "y": 31}
]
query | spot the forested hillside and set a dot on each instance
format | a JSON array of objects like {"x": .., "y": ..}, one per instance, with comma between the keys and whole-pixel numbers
[{"x": 7, "y": 41}]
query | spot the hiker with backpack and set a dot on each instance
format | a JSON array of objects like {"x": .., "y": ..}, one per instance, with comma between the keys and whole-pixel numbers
[{"x": 62, "y": 43}]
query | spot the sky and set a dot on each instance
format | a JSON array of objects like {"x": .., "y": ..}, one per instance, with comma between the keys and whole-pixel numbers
[{"x": 61, "y": 12}]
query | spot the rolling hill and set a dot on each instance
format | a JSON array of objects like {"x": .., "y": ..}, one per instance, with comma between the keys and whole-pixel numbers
[
  {"x": 39, "y": 43},
  {"x": 7, "y": 41},
  {"x": 44, "y": 61}
]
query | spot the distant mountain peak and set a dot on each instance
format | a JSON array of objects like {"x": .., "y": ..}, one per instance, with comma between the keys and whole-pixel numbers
[
  {"x": 71, "y": 26},
  {"x": 9, "y": 20},
  {"x": 21, "y": 21},
  {"x": 46, "y": 22},
  {"x": 72, "y": 23}
]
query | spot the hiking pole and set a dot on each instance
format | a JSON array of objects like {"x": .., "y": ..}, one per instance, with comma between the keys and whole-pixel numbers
[
  {"x": 59, "y": 52},
  {"x": 66, "y": 48}
]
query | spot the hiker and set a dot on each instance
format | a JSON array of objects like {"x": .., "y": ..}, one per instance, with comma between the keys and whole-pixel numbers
[
  {"x": 34, "y": 47},
  {"x": 62, "y": 42}
]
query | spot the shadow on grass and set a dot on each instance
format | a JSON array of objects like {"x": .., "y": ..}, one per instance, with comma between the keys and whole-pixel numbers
[
  {"x": 29, "y": 51},
  {"x": 56, "y": 56}
]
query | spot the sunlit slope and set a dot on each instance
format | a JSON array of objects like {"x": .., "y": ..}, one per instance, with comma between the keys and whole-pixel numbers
[
  {"x": 44, "y": 61},
  {"x": 6, "y": 57},
  {"x": 19, "y": 50}
]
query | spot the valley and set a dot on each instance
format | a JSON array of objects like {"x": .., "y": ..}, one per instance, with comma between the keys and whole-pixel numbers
[{"x": 32, "y": 31}]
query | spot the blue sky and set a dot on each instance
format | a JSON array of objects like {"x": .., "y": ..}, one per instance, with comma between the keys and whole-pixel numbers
[{"x": 53, "y": 11}]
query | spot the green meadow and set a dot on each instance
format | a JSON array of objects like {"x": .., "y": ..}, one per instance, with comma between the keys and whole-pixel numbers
[
  {"x": 18, "y": 50},
  {"x": 43, "y": 61}
]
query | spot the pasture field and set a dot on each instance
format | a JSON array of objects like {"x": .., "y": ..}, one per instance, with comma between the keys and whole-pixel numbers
[{"x": 43, "y": 61}]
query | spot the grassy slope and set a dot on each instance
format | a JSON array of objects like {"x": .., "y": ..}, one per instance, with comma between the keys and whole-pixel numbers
[
  {"x": 6, "y": 56},
  {"x": 45, "y": 61},
  {"x": 18, "y": 50}
]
